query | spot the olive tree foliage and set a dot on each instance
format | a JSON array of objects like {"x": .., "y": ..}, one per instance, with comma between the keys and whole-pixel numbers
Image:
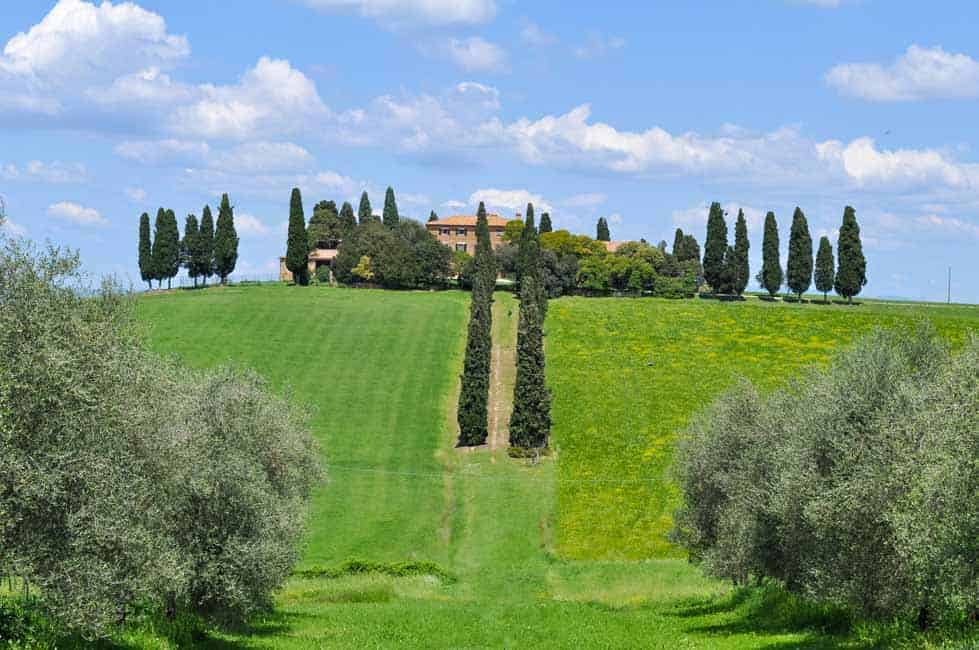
[
  {"x": 121, "y": 488},
  {"x": 863, "y": 498}
]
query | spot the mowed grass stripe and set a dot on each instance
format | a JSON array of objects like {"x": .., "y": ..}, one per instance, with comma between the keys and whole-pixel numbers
[{"x": 374, "y": 365}]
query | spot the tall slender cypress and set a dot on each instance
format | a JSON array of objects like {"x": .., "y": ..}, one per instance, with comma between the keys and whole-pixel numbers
[
  {"x": 601, "y": 230},
  {"x": 851, "y": 275},
  {"x": 390, "y": 216},
  {"x": 545, "y": 223},
  {"x": 166, "y": 247},
  {"x": 741, "y": 246},
  {"x": 530, "y": 422},
  {"x": 527, "y": 245},
  {"x": 225, "y": 241},
  {"x": 190, "y": 246},
  {"x": 206, "y": 245},
  {"x": 297, "y": 245},
  {"x": 173, "y": 248},
  {"x": 825, "y": 267},
  {"x": 347, "y": 220},
  {"x": 715, "y": 246},
  {"x": 771, "y": 276},
  {"x": 799, "y": 265},
  {"x": 678, "y": 243},
  {"x": 472, "y": 412},
  {"x": 145, "y": 250},
  {"x": 365, "y": 213},
  {"x": 432, "y": 216}
]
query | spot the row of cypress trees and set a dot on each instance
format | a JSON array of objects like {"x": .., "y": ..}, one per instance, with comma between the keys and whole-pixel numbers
[
  {"x": 204, "y": 250},
  {"x": 726, "y": 267},
  {"x": 474, "y": 395}
]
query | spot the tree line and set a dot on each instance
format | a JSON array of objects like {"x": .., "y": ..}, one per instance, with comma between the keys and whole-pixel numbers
[{"x": 204, "y": 250}]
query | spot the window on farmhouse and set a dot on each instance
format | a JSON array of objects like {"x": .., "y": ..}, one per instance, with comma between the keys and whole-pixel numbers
[
  {"x": 460, "y": 231},
  {"x": 461, "y": 248}
]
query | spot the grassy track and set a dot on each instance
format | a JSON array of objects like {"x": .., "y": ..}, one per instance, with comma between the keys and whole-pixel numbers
[
  {"x": 628, "y": 374},
  {"x": 382, "y": 367}
]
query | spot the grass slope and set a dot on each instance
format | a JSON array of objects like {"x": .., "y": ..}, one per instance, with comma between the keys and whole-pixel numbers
[{"x": 627, "y": 375}]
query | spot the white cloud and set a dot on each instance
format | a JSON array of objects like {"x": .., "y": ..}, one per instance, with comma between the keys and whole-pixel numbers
[
  {"x": 407, "y": 198},
  {"x": 37, "y": 171},
  {"x": 533, "y": 34},
  {"x": 77, "y": 214},
  {"x": 920, "y": 73},
  {"x": 585, "y": 200},
  {"x": 597, "y": 45},
  {"x": 869, "y": 166},
  {"x": 950, "y": 225},
  {"x": 475, "y": 54},
  {"x": 432, "y": 12},
  {"x": 137, "y": 194},
  {"x": 263, "y": 158},
  {"x": 164, "y": 152},
  {"x": 515, "y": 200},
  {"x": 148, "y": 88},
  {"x": 271, "y": 186},
  {"x": 455, "y": 205},
  {"x": 248, "y": 225}
]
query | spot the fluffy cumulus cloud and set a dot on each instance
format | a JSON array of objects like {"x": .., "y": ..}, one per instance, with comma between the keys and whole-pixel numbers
[
  {"x": 168, "y": 151},
  {"x": 920, "y": 73},
  {"x": 533, "y": 34},
  {"x": 248, "y": 225},
  {"x": 427, "y": 12},
  {"x": 37, "y": 171},
  {"x": 509, "y": 200},
  {"x": 474, "y": 54},
  {"x": 868, "y": 166},
  {"x": 76, "y": 214}
]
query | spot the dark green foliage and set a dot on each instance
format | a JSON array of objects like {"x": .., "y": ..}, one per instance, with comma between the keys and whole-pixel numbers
[
  {"x": 145, "y": 250},
  {"x": 678, "y": 242},
  {"x": 799, "y": 265},
  {"x": 347, "y": 220},
  {"x": 825, "y": 267},
  {"x": 715, "y": 247},
  {"x": 726, "y": 282},
  {"x": 530, "y": 423},
  {"x": 851, "y": 276},
  {"x": 225, "y": 241},
  {"x": 390, "y": 215},
  {"x": 297, "y": 245},
  {"x": 189, "y": 246},
  {"x": 545, "y": 223},
  {"x": 601, "y": 230},
  {"x": 770, "y": 277},
  {"x": 166, "y": 247},
  {"x": 405, "y": 257},
  {"x": 393, "y": 569},
  {"x": 472, "y": 413},
  {"x": 206, "y": 243},
  {"x": 432, "y": 216},
  {"x": 741, "y": 245},
  {"x": 365, "y": 213},
  {"x": 324, "y": 230},
  {"x": 528, "y": 246},
  {"x": 558, "y": 273}
]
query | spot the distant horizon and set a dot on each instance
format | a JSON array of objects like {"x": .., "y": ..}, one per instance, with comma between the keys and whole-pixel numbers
[{"x": 643, "y": 115}]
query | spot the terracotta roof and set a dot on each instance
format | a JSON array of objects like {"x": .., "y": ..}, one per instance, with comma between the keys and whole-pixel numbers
[
  {"x": 612, "y": 246},
  {"x": 468, "y": 220}
]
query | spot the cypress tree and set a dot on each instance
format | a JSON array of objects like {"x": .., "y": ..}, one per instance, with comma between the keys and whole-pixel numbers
[
  {"x": 851, "y": 275},
  {"x": 391, "y": 217},
  {"x": 825, "y": 271},
  {"x": 799, "y": 265},
  {"x": 432, "y": 216},
  {"x": 166, "y": 247},
  {"x": 206, "y": 245},
  {"x": 297, "y": 245},
  {"x": 145, "y": 250},
  {"x": 545, "y": 223},
  {"x": 530, "y": 423},
  {"x": 741, "y": 246},
  {"x": 159, "y": 237},
  {"x": 365, "y": 213},
  {"x": 678, "y": 243},
  {"x": 770, "y": 276},
  {"x": 691, "y": 249},
  {"x": 190, "y": 247},
  {"x": 526, "y": 245},
  {"x": 727, "y": 282},
  {"x": 474, "y": 395},
  {"x": 715, "y": 246},
  {"x": 225, "y": 241},
  {"x": 601, "y": 231},
  {"x": 173, "y": 248},
  {"x": 347, "y": 220}
]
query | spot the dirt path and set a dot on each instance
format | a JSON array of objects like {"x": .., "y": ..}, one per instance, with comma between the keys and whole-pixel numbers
[{"x": 503, "y": 371}]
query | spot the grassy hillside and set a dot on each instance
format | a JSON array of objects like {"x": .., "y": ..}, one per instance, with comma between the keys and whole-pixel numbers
[
  {"x": 627, "y": 375},
  {"x": 381, "y": 369}
]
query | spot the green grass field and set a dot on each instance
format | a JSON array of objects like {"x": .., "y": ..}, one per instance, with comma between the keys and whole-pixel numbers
[{"x": 567, "y": 553}]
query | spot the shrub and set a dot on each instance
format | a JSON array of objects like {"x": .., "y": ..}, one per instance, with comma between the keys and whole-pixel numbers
[
  {"x": 854, "y": 485},
  {"x": 323, "y": 275}
]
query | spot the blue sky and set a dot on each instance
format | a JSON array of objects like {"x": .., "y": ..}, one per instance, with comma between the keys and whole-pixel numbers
[{"x": 642, "y": 114}]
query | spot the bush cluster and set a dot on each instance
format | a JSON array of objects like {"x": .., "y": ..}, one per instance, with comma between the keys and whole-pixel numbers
[
  {"x": 855, "y": 485},
  {"x": 400, "y": 256},
  {"x": 128, "y": 483}
]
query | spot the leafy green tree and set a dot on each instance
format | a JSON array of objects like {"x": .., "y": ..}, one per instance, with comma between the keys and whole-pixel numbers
[
  {"x": 825, "y": 267},
  {"x": 225, "y": 241},
  {"x": 297, "y": 245},
  {"x": 545, "y": 223},
  {"x": 145, "y": 250},
  {"x": 799, "y": 264},
  {"x": 602, "y": 231},
  {"x": 390, "y": 216},
  {"x": 851, "y": 276},
  {"x": 166, "y": 247},
  {"x": 715, "y": 247},
  {"x": 324, "y": 229},
  {"x": 190, "y": 247},
  {"x": 741, "y": 245},
  {"x": 678, "y": 243},
  {"x": 530, "y": 422},
  {"x": 404, "y": 257},
  {"x": 432, "y": 216},
  {"x": 770, "y": 277},
  {"x": 347, "y": 220},
  {"x": 206, "y": 243},
  {"x": 512, "y": 231},
  {"x": 365, "y": 213}
]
